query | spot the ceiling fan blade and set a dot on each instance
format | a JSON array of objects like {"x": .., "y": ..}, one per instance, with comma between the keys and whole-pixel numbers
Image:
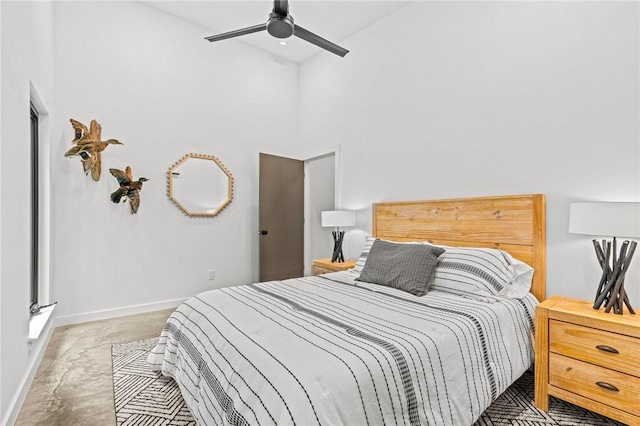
[
  {"x": 236, "y": 33},
  {"x": 319, "y": 41},
  {"x": 281, "y": 7}
]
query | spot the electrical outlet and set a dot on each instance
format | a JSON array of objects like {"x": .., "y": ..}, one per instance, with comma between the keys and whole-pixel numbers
[{"x": 211, "y": 274}]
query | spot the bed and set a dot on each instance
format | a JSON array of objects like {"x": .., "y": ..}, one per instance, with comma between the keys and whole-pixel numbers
[{"x": 332, "y": 349}]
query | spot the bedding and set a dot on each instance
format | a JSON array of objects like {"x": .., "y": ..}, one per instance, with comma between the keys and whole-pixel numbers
[{"x": 332, "y": 350}]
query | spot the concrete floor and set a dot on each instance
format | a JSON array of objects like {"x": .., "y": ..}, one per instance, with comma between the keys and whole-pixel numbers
[{"x": 73, "y": 384}]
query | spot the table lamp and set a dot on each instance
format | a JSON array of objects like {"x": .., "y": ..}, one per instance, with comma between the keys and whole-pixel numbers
[
  {"x": 614, "y": 219},
  {"x": 336, "y": 219}
]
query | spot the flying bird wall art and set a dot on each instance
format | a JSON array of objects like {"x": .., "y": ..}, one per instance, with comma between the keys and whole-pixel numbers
[
  {"x": 88, "y": 145},
  {"x": 129, "y": 188}
]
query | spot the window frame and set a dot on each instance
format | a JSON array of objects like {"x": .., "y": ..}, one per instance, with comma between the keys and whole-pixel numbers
[{"x": 35, "y": 216}]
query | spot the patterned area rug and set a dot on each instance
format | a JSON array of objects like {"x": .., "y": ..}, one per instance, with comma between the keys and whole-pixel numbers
[{"x": 143, "y": 397}]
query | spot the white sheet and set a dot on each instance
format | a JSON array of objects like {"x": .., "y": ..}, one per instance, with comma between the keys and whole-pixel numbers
[{"x": 328, "y": 350}]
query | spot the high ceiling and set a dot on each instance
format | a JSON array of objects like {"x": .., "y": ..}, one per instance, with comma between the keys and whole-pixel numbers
[{"x": 333, "y": 20}]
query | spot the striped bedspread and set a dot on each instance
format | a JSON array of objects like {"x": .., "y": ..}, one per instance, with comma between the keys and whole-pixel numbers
[{"x": 329, "y": 350}]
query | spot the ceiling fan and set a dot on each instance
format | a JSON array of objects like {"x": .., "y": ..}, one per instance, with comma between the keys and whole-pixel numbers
[{"x": 280, "y": 25}]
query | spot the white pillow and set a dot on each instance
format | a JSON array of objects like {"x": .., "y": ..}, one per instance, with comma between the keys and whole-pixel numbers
[
  {"x": 481, "y": 273},
  {"x": 521, "y": 279}
]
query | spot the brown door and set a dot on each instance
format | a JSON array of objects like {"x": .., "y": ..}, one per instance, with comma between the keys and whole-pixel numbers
[{"x": 281, "y": 218}]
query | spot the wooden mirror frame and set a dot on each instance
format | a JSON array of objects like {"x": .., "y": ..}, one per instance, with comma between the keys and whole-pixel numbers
[{"x": 181, "y": 206}]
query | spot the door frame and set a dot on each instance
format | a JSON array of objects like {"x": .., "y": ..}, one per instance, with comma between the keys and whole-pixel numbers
[{"x": 310, "y": 156}]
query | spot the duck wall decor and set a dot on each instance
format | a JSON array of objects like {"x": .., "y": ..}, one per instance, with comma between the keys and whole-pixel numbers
[
  {"x": 88, "y": 145},
  {"x": 129, "y": 188}
]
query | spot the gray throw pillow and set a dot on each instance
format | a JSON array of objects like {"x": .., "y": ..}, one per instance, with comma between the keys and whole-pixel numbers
[{"x": 408, "y": 267}]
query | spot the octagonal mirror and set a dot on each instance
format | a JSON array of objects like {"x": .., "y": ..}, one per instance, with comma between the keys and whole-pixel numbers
[{"x": 200, "y": 185}]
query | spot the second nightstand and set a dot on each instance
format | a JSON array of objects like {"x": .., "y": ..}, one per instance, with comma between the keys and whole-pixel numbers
[
  {"x": 588, "y": 358},
  {"x": 324, "y": 266}
]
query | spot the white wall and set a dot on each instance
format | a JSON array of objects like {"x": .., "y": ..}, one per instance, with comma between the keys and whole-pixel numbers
[
  {"x": 26, "y": 61},
  {"x": 455, "y": 99},
  {"x": 153, "y": 83}
]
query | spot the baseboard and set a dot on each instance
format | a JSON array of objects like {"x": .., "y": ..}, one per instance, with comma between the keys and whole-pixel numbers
[
  {"x": 37, "y": 350},
  {"x": 117, "y": 312},
  {"x": 41, "y": 344}
]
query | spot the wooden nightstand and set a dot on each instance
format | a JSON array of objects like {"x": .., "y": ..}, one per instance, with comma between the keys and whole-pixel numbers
[
  {"x": 323, "y": 266},
  {"x": 588, "y": 358}
]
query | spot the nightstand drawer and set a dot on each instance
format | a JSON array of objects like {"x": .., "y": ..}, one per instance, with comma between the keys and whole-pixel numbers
[
  {"x": 581, "y": 378},
  {"x": 319, "y": 270},
  {"x": 606, "y": 349}
]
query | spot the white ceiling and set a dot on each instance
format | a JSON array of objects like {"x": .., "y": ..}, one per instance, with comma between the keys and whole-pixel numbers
[{"x": 333, "y": 20}]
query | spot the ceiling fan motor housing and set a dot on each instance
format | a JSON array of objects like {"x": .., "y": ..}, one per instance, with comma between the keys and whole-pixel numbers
[{"x": 280, "y": 26}]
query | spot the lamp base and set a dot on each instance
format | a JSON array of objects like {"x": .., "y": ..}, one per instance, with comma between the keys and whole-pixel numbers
[
  {"x": 611, "y": 292},
  {"x": 337, "y": 246}
]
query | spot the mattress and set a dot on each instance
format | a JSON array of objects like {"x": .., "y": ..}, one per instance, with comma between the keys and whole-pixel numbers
[{"x": 331, "y": 350}]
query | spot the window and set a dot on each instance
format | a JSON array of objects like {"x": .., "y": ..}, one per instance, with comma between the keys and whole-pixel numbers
[
  {"x": 33, "y": 306},
  {"x": 39, "y": 221}
]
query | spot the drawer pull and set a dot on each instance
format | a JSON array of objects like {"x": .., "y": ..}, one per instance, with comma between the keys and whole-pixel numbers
[
  {"x": 607, "y": 386},
  {"x": 607, "y": 349}
]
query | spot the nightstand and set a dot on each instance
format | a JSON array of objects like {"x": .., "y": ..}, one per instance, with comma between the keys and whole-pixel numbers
[
  {"x": 323, "y": 266},
  {"x": 588, "y": 358}
]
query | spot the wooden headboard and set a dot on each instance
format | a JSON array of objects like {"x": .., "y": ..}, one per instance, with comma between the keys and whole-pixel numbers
[{"x": 513, "y": 223}]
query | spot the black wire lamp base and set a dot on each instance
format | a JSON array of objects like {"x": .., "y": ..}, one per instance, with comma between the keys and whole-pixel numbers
[
  {"x": 337, "y": 256},
  {"x": 611, "y": 293},
  {"x": 613, "y": 218}
]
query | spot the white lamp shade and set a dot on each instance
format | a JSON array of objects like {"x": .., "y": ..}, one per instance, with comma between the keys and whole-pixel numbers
[
  {"x": 338, "y": 218},
  {"x": 605, "y": 219}
]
